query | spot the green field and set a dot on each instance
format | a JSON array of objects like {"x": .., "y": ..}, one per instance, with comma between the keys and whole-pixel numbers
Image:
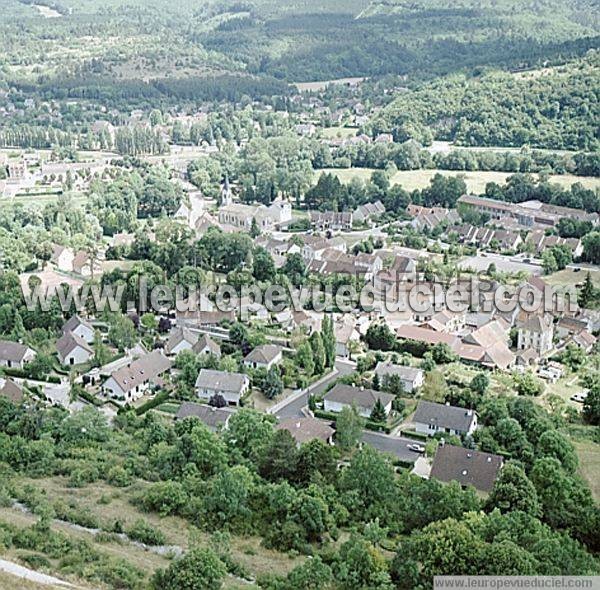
[
  {"x": 589, "y": 465},
  {"x": 476, "y": 181}
]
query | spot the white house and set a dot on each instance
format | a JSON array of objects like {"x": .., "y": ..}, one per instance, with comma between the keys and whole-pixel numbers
[
  {"x": 411, "y": 377},
  {"x": 206, "y": 345},
  {"x": 131, "y": 382},
  {"x": 343, "y": 396},
  {"x": 80, "y": 328},
  {"x": 62, "y": 257},
  {"x": 14, "y": 355},
  {"x": 264, "y": 357},
  {"x": 232, "y": 386},
  {"x": 73, "y": 349},
  {"x": 180, "y": 339},
  {"x": 431, "y": 418}
]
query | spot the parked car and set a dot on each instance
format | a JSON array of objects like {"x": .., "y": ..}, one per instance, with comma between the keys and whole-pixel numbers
[{"x": 416, "y": 448}]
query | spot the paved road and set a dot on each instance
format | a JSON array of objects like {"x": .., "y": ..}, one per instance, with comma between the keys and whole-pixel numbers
[
  {"x": 294, "y": 408},
  {"x": 397, "y": 446}
]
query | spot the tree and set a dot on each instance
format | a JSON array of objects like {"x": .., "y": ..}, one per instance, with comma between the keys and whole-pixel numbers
[
  {"x": 238, "y": 334},
  {"x": 529, "y": 385},
  {"x": 380, "y": 337},
  {"x": 349, "y": 425},
  {"x": 263, "y": 267},
  {"x": 480, "y": 383},
  {"x": 226, "y": 502},
  {"x": 378, "y": 414},
  {"x": 316, "y": 462},
  {"x": 313, "y": 574},
  {"x": 101, "y": 353},
  {"x": 360, "y": 565},
  {"x": 318, "y": 352},
  {"x": 586, "y": 295},
  {"x": 247, "y": 433},
  {"x": 217, "y": 401},
  {"x": 435, "y": 387},
  {"x": 591, "y": 247},
  {"x": 122, "y": 332},
  {"x": 552, "y": 443},
  {"x": 591, "y": 405},
  {"x": 198, "y": 569},
  {"x": 40, "y": 366},
  {"x": 442, "y": 354},
  {"x": 305, "y": 360},
  {"x": 328, "y": 337},
  {"x": 279, "y": 457},
  {"x": 272, "y": 385},
  {"x": 294, "y": 268},
  {"x": 514, "y": 491}
]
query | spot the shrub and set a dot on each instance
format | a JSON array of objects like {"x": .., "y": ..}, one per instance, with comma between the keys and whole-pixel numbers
[{"x": 144, "y": 532}]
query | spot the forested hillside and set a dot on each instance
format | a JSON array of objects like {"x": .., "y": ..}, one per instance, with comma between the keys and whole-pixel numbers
[{"x": 555, "y": 108}]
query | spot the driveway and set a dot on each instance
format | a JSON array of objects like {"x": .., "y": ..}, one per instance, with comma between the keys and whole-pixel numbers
[
  {"x": 294, "y": 407},
  {"x": 397, "y": 446}
]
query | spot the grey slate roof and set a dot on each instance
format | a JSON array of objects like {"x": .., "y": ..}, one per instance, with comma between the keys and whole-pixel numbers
[
  {"x": 363, "y": 398},
  {"x": 206, "y": 341},
  {"x": 209, "y": 415},
  {"x": 406, "y": 373},
  {"x": 10, "y": 390},
  {"x": 74, "y": 322},
  {"x": 221, "y": 380},
  {"x": 466, "y": 466},
  {"x": 442, "y": 416},
  {"x": 68, "y": 341},
  {"x": 264, "y": 354},
  {"x": 12, "y": 351},
  {"x": 141, "y": 370}
]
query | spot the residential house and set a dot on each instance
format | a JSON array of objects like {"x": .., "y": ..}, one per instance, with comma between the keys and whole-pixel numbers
[
  {"x": 467, "y": 467},
  {"x": 536, "y": 332},
  {"x": 131, "y": 382},
  {"x": 314, "y": 246},
  {"x": 232, "y": 386},
  {"x": 14, "y": 355},
  {"x": 528, "y": 213},
  {"x": 538, "y": 241},
  {"x": 206, "y": 345},
  {"x": 431, "y": 418},
  {"x": 84, "y": 265},
  {"x": 364, "y": 213},
  {"x": 180, "y": 339},
  {"x": 345, "y": 333},
  {"x": 411, "y": 377},
  {"x": 430, "y": 217},
  {"x": 72, "y": 349},
  {"x": 306, "y": 429},
  {"x": 331, "y": 220},
  {"x": 214, "y": 419},
  {"x": 62, "y": 257},
  {"x": 345, "y": 396},
  {"x": 80, "y": 328},
  {"x": 264, "y": 357},
  {"x": 11, "y": 391}
]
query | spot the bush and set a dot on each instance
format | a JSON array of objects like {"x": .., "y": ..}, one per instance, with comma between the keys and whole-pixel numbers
[
  {"x": 118, "y": 476},
  {"x": 144, "y": 532},
  {"x": 165, "y": 497}
]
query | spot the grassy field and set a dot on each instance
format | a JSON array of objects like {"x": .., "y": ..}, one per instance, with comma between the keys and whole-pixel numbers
[
  {"x": 569, "y": 276},
  {"x": 589, "y": 465},
  {"x": 476, "y": 181},
  {"x": 110, "y": 504},
  {"x": 344, "y": 132}
]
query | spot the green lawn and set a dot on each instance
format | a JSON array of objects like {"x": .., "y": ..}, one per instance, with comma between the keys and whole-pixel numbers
[
  {"x": 589, "y": 465},
  {"x": 476, "y": 181}
]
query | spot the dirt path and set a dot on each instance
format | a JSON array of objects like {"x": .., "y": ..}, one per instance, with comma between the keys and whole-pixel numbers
[{"x": 29, "y": 574}]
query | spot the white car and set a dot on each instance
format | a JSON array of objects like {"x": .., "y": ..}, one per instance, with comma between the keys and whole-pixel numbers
[{"x": 416, "y": 448}]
